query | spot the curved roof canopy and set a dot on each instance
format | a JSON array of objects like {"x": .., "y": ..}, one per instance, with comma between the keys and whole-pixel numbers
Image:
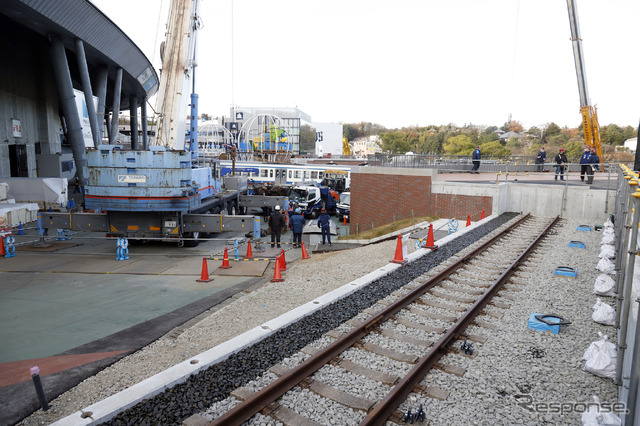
[{"x": 104, "y": 42}]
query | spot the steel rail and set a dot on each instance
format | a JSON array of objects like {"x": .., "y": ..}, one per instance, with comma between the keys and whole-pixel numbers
[
  {"x": 259, "y": 400},
  {"x": 387, "y": 407}
]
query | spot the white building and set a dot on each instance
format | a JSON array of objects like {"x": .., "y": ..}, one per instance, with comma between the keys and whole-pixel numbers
[
  {"x": 328, "y": 138},
  {"x": 363, "y": 147},
  {"x": 631, "y": 143}
]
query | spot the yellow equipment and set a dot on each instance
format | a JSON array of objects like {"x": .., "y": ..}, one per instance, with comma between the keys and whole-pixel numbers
[
  {"x": 590, "y": 125},
  {"x": 346, "y": 149}
]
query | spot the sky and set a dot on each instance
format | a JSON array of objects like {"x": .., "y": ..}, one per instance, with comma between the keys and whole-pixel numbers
[{"x": 406, "y": 63}]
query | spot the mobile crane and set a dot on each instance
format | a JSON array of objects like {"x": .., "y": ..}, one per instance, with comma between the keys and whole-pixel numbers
[{"x": 590, "y": 125}]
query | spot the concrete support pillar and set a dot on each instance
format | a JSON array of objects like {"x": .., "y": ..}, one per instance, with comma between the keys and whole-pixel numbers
[
  {"x": 101, "y": 93},
  {"x": 143, "y": 119},
  {"x": 117, "y": 88},
  {"x": 68, "y": 104},
  {"x": 107, "y": 124},
  {"x": 133, "y": 123},
  {"x": 88, "y": 91}
]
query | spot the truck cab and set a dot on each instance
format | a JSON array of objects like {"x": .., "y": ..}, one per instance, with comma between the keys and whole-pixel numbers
[
  {"x": 344, "y": 205},
  {"x": 312, "y": 199}
]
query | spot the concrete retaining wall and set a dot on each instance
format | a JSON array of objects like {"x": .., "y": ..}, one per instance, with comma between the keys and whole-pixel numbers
[{"x": 381, "y": 195}]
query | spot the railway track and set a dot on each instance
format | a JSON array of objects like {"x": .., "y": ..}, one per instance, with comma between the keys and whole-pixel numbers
[{"x": 411, "y": 330}]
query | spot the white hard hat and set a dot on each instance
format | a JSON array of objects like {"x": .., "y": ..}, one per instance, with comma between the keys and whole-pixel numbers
[{"x": 278, "y": 208}]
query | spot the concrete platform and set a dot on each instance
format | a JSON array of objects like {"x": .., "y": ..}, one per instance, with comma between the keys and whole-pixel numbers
[{"x": 72, "y": 309}]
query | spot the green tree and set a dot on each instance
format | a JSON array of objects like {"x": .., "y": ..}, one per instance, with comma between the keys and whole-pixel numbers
[
  {"x": 494, "y": 149},
  {"x": 574, "y": 149},
  {"x": 459, "y": 145},
  {"x": 395, "y": 143},
  {"x": 488, "y": 137},
  {"x": 430, "y": 144}
]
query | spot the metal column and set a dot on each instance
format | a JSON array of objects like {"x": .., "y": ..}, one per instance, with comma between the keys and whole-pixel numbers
[
  {"x": 632, "y": 397},
  {"x": 113, "y": 135},
  {"x": 88, "y": 92},
  {"x": 68, "y": 104},
  {"x": 101, "y": 93},
  {"x": 133, "y": 123},
  {"x": 143, "y": 119}
]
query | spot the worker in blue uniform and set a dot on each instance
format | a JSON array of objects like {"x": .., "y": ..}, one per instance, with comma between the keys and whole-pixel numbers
[
  {"x": 540, "y": 159},
  {"x": 475, "y": 157},
  {"x": 594, "y": 160},
  {"x": 584, "y": 162},
  {"x": 324, "y": 223},
  {"x": 296, "y": 223}
]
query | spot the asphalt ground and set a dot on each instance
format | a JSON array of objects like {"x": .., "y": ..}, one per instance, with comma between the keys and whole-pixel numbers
[{"x": 72, "y": 308}]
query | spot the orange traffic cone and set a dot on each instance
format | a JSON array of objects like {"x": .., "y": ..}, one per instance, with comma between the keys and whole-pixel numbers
[
  {"x": 249, "y": 254},
  {"x": 276, "y": 273},
  {"x": 204, "y": 275},
  {"x": 482, "y": 215},
  {"x": 430, "y": 243},
  {"x": 2, "y": 251},
  {"x": 305, "y": 255},
  {"x": 344, "y": 220},
  {"x": 283, "y": 262},
  {"x": 225, "y": 260},
  {"x": 468, "y": 220},
  {"x": 399, "y": 259}
]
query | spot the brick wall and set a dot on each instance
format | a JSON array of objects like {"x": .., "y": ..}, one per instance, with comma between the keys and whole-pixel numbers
[
  {"x": 379, "y": 197},
  {"x": 459, "y": 206}
]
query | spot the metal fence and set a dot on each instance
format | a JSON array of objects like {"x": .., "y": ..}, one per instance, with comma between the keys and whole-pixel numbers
[
  {"x": 627, "y": 220},
  {"x": 463, "y": 163}
]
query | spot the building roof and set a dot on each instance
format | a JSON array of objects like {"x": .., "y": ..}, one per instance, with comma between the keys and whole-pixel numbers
[{"x": 104, "y": 42}]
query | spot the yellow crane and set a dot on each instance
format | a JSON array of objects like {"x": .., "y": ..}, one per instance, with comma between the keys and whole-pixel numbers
[
  {"x": 346, "y": 149},
  {"x": 589, "y": 113}
]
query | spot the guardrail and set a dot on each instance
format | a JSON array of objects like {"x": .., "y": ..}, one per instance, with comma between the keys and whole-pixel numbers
[{"x": 626, "y": 222}]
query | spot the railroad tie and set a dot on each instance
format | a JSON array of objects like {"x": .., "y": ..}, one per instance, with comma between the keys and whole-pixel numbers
[{"x": 352, "y": 367}]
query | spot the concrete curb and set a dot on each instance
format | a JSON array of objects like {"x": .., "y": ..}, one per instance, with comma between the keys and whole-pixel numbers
[{"x": 108, "y": 408}]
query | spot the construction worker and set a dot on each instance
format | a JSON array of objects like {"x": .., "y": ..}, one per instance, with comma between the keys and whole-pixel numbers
[
  {"x": 324, "y": 223},
  {"x": 276, "y": 223},
  {"x": 584, "y": 162},
  {"x": 475, "y": 157},
  {"x": 540, "y": 159},
  {"x": 561, "y": 164},
  {"x": 296, "y": 223}
]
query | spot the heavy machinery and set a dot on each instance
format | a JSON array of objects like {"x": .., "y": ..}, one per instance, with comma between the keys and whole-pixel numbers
[
  {"x": 163, "y": 192},
  {"x": 346, "y": 148},
  {"x": 590, "y": 125}
]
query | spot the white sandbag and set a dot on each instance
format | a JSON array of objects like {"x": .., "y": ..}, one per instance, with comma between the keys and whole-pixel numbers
[
  {"x": 603, "y": 313},
  {"x": 604, "y": 285},
  {"x": 601, "y": 357},
  {"x": 608, "y": 251},
  {"x": 593, "y": 416},
  {"x": 606, "y": 266},
  {"x": 608, "y": 224},
  {"x": 608, "y": 239}
]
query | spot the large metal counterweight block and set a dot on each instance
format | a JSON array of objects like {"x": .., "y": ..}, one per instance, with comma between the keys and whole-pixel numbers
[
  {"x": 216, "y": 223},
  {"x": 76, "y": 221},
  {"x": 192, "y": 222},
  {"x": 261, "y": 200}
]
